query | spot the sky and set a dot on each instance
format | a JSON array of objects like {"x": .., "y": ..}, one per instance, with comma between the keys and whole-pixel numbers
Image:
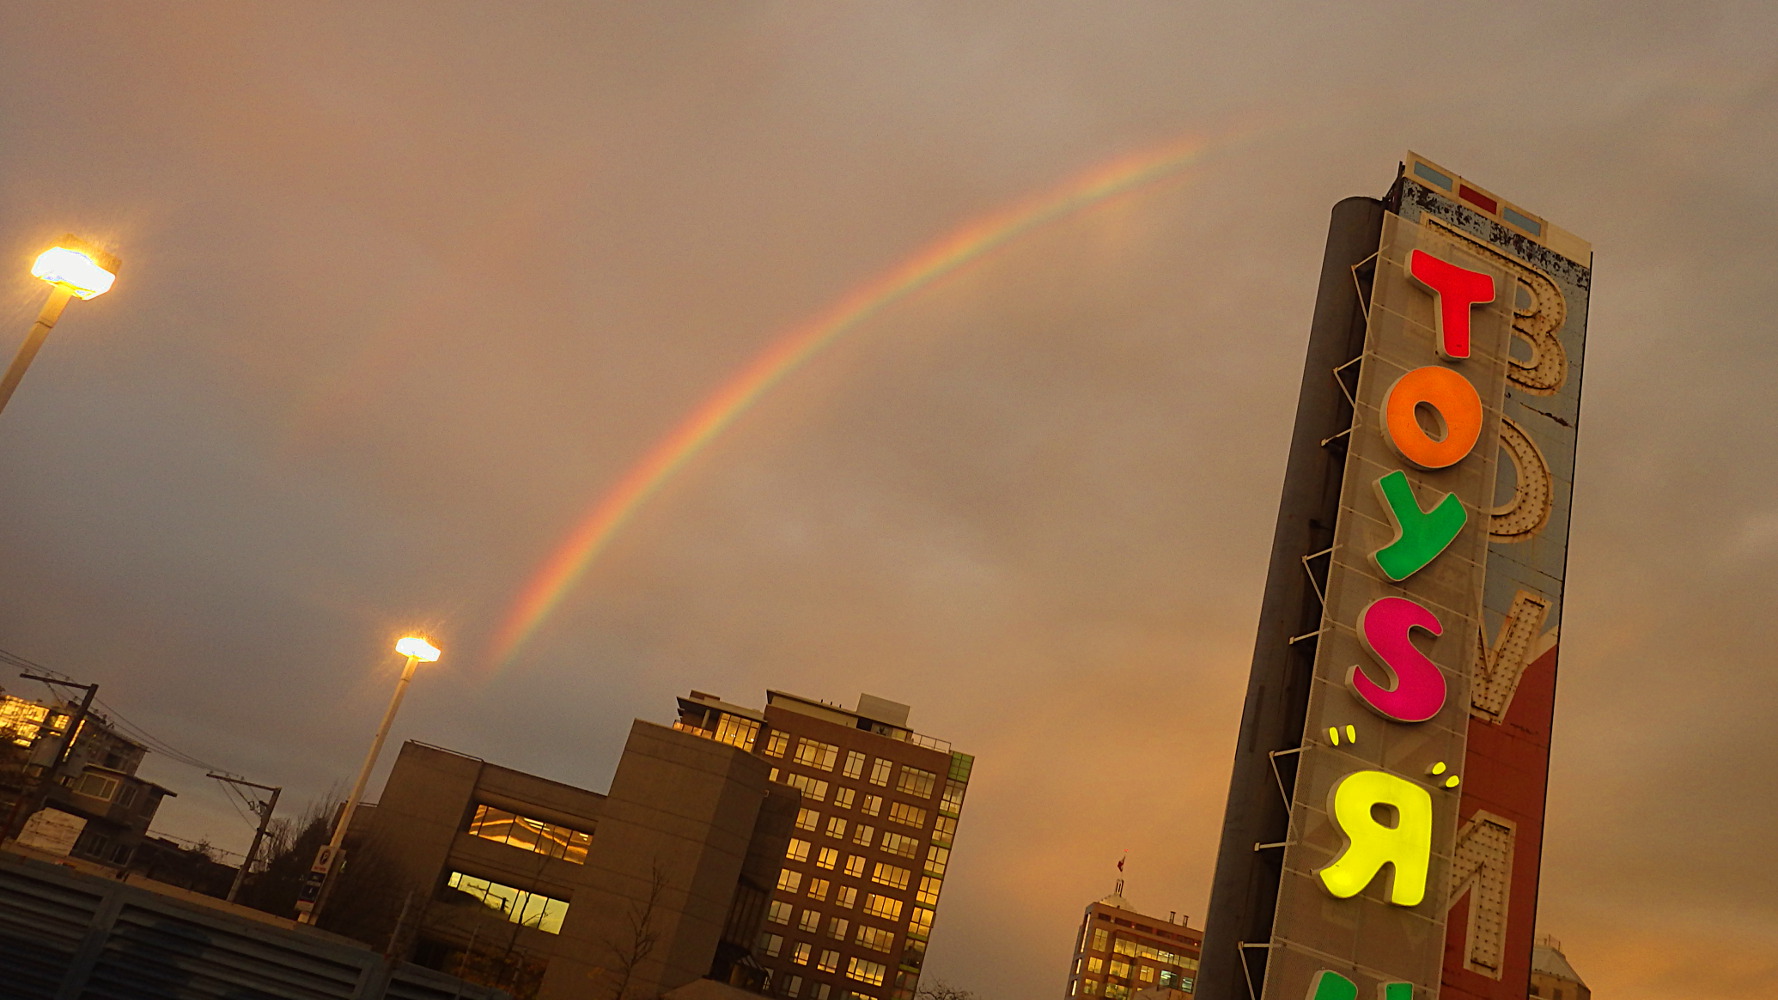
[{"x": 946, "y": 352}]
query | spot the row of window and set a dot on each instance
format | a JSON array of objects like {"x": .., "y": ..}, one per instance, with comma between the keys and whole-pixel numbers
[
  {"x": 779, "y": 911},
  {"x": 1121, "y": 991},
  {"x": 793, "y": 986},
  {"x": 890, "y": 876},
  {"x": 525, "y": 833},
  {"x": 820, "y": 756},
  {"x": 900, "y": 845},
  {"x": 875, "y": 938},
  {"x": 527, "y": 909},
  {"x": 894, "y": 876}
]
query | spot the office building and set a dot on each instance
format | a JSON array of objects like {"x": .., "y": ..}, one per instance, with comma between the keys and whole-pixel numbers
[
  {"x": 92, "y": 806},
  {"x": 858, "y": 893},
  {"x": 551, "y": 891},
  {"x": 1121, "y": 954},
  {"x": 1552, "y": 978}
]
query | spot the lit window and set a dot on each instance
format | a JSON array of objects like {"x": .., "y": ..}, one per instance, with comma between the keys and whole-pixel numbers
[
  {"x": 815, "y": 754},
  {"x": 813, "y": 788},
  {"x": 891, "y": 876},
  {"x": 882, "y": 906},
  {"x": 866, "y": 971},
  {"x": 953, "y": 800},
  {"x": 1120, "y": 969},
  {"x": 779, "y": 912},
  {"x": 842, "y": 797},
  {"x": 906, "y": 815},
  {"x": 836, "y": 827},
  {"x": 921, "y": 922},
  {"x": 854, "y": 764},
  {"x": 873, "y": 804},
  {"x": 777, "y": 743},
  {"x": 503, "y": 827},
  {"x": 862, "y": 835},
  {"x": 1095, "y": 965},
  {"x": 936, "y": 859},
  {"x": 915, "y": 782},
  {"x": 914, "y": 955},
  {"x": 771, "y": 944},
  {"x": 830, "y": 961},
  {"x": 1145, "y": 973},
  {"x": 810, "y": 920},
  {"x": 905, "y": 847},
  {"x": 876, "y": 938},
  {"x": 789, "y": 881},
  {"x": 527, "y": 909},
  {"x": 855, "y": 866},
  {"x": 1100, "y": 939},
  {"x": 798, "y": 850},
  {"x": 928, "y": 891},
  {"x": 1090, "y": 987},
  {"x": 944, "y": 830},
  {"x": 828, "y": 858},
  {"x": 818, "y": 889},
  {"x": 737, "y": 731},
  {"x": 807, "y": 819},
  {"x": 96, "y": 786},
  {"x": 846, "y": 898},
  {"x": 879, "y": 771},
  {"x": 836, "y": 928},
  {"x": 800, "y": 954}
]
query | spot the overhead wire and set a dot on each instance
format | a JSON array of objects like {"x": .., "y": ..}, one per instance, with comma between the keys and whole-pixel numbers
[{"x": 151, "y": 742}]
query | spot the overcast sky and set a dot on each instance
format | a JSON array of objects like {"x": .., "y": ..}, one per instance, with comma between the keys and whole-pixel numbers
[{"x": 407, "y": 289}]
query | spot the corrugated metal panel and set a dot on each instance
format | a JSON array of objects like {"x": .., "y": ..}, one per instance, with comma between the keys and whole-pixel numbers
[
  {"x": 73, "y": 935},
  {"x": 42, "y": 925},
  {"x": 156, "y": 952}
]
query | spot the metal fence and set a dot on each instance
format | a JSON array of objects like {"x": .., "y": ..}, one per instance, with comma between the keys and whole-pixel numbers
[{"x": 69, "y": 935}]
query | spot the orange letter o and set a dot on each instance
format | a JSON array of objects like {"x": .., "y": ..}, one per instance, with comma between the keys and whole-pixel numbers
[{"x": 1457, "y": 404}]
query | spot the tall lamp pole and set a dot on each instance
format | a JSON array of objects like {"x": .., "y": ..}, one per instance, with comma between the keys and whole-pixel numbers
[
  {"x": 74, "y": 269},
  {"x": 313, "y": 894}
]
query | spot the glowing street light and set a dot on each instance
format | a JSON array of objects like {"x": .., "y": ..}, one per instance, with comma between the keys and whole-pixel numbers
[
  {"x": 74, "y": 268},
  {"x": 313, "y": 894}
]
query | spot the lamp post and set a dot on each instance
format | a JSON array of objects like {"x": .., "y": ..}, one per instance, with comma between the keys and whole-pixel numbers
[
  {"x": 313, "y": 894},
  {"x": 74, "y": 269}
]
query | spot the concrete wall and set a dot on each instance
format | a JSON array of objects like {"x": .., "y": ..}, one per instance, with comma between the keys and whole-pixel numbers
[{"x": 673, "y": 841}]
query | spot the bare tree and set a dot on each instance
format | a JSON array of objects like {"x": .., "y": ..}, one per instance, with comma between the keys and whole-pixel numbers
[
  {"x": 941, "y": 990},
  {"x": 640, "y": 935}
]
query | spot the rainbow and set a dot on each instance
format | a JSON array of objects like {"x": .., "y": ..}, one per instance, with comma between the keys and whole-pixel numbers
[{"x": 969, "y": 242}]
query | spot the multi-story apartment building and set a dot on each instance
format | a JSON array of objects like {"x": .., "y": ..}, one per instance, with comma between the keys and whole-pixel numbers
[
  {"x": 96, "y": 786},
  {"x": 858, "y": 892},
  {"x": 1120, "y": 953}
]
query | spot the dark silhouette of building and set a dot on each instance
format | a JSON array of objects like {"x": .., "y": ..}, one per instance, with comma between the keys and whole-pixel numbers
[{"x": 552, "y": 891}]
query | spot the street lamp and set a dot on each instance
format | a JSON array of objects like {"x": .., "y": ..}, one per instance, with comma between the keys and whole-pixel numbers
[
  {"x": 74, "y": 268},
  {"x": 313, "y": 894}
]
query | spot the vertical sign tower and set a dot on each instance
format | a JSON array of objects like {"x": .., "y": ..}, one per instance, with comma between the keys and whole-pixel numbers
[{"x": 1386, "y": 811}]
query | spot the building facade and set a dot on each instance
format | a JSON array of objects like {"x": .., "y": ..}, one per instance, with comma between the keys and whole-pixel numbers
[
  {"x": 557, "y": 892},
  {"x": 1120, "y": 953},
  {"x": 1552, "y": 978},
  {"x": 95, "y": 797},
  {"x": 858, "y": 892}
]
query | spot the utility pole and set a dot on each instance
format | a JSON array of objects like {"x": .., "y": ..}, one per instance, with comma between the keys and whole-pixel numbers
[
  {"x": 264, "y": 809},
  {"x": 20, "y": 814}
]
